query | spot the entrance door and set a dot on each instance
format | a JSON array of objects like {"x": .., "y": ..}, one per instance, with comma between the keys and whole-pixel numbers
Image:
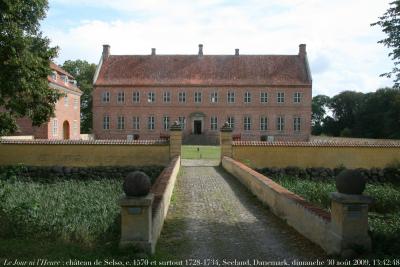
[
  {"x": 66, "y": 130},
  {"x": 197, "y": 126}
]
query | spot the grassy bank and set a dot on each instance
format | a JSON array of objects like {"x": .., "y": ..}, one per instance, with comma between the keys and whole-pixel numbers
[
  {"x": 60, "y": 218},
  {"x": 384, "y": 215}
]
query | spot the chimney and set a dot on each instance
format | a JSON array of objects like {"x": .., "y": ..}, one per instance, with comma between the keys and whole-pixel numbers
[
  {"x": 153, "y": 51},
  {"x": 302, "y": 50},
  {"x": 106, "y": 51},
  {"x": 236, "y": 51},
  {"x": 200, "y": 49}
]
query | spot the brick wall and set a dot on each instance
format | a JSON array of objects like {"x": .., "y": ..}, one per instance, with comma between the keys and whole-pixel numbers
[
  {"x": 221, "y": 110},
  {"x": 81, "y": 153},
  {"x": 68, "y": 115},
  {"x": 308, "y": 154}
]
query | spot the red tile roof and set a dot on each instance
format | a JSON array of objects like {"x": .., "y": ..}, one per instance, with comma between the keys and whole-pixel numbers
[
  {"x": 204, "y": 70},
  {"x": 314, "y": 144},
  {"x": 57, "y": 68},
  {"x": 59, "y": 81}
]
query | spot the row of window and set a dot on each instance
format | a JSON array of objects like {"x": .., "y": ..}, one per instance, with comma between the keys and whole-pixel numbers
[
  {"x": 247, "y": 123},
  {"x": 66, "y": 102},
  {"x": 75, "y": 130},
  {"x": 63, "y": 77},
  {"x": 198, "y": 97}
]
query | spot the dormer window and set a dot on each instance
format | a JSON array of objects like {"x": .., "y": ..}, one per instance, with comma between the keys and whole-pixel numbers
[
  {"x": 64, "y": 78},
  {"x": 54, "y": 75}
]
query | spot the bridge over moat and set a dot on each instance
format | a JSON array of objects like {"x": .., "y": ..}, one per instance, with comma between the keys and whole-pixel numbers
[{"x": 213, "y": 216}]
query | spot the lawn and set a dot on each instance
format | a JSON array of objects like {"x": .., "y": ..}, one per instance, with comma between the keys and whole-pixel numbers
[
  {"x": 201, "y": 152},
  {"x": 384, "y": 215},
  {"x": 60, "y": 219}
]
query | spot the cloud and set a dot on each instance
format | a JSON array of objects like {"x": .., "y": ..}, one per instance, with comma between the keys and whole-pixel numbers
[{"x": 341, "y": 44}]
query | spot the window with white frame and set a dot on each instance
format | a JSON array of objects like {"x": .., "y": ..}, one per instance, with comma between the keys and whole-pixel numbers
[
  {"x": 231, "y": 97},
  {"x": 247, "y": 123},
  {"x": 263, "y": 123},
  {"x": 197, "y": 97},
  {"x": 75, "y": 127},
  {"x": 297, "y": 97},
  {"x": 280, "y": 97},
  {"x": 76, "y": 101},
  {"x": 136, "y": 123},
  {"x": 167, "y": 97},
  {"x": 182, "y": 122},
  {"x": 121, "y": 97},
  {"x": 280, "y": 123},
  {"x": 150, "y": 123},
  {"x": 166, "y": 122},
  {"x": 214, "y": 97},
  {"x": 151, "y": 97},
  {"x": 214, "y": 123},
  {"x": 55, "y": 128},
  {"x": 247, "y": 97},
  {"x": 136, "y": 97},
  {"x": 121, "y": 122},
  {"x": 64, "y": 78},
  {"x": 106, "y": 122},
  {"x": 264, "y": 97},
  {"x": 105, "y": 97},
  {"x": 296, "y": 124},
  {"x": 54, "y": 75},
  {"x": 182, "y": 97},
  {"x": 231, "y": 122},
  {"x": 66, "y": 100}
]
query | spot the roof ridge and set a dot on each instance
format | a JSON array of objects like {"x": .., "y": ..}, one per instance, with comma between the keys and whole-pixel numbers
[{"x": 209, "y": 55}]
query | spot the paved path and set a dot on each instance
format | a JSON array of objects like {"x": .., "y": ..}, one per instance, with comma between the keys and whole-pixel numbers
[
  {"x": 212, "y": 216},
  {"x": 199, "y": 162}
]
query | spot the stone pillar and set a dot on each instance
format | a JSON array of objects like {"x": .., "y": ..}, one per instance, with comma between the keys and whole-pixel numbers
[
  {"x": 226, "y": 141},
  {"x": 175, "y": 140},
  {"x": 136, "y": 222},
  {"x": 349, "y": 222}
]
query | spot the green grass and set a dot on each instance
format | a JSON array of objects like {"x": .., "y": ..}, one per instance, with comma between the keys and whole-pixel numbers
[
  {"x": 61, "y": 219},
  {"x": 68, "y": 210},
  {"x": 201, "y": 152},
  {"x": 384, "y": 215},
  {"x": 386, "y": 196}
]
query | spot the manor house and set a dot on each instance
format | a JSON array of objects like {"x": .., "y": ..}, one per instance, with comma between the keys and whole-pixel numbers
[
  {"x": 66, "y": 122},
  {"x": 262, "y": 97}
]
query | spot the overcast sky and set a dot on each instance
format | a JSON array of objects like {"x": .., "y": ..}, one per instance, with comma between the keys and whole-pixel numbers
[{"x": 341, "y": 45}]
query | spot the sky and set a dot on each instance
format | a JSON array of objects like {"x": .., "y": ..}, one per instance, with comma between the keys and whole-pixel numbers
[{"x": 342, "y": 47}]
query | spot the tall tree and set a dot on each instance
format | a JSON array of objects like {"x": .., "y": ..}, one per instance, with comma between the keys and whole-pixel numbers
[
  {"x": 344, "y": 107},
  {"x": 379, "y": 115},
  {"x": 84, "y": 73},
  {"x": 24, "y": 64},
  {"x": 390, "y": 23},
  {"x": 319, "y": 108}
]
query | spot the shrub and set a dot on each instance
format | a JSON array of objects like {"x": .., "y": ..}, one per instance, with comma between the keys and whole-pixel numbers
[
  {"x": 80, "y": 205},
  {"x": 384, "y": 215}
]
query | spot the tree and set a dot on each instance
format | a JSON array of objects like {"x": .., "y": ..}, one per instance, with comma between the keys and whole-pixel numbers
[
  {"x": 84, "y": 73},
  {"x": 25, "y": 57},
  {"x": 379, "y": 115},
  {"x": 371, "y": 115},
  {"x": 390, "y": 23},
  {"x": 319, "y": 107},
  {"x": 344, "y": 107}
]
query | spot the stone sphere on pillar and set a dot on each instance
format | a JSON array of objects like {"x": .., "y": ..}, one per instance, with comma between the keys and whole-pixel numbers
[
  {"x": 136, "y": 184},
  {"x": 350, "y": 182}
]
